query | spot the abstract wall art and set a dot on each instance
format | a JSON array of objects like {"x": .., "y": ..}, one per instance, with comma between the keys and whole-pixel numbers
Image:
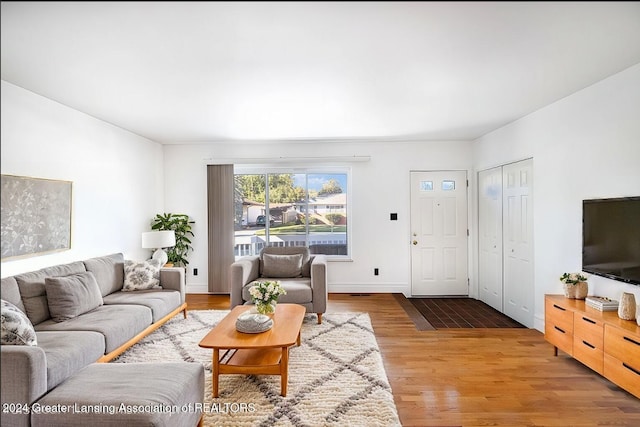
[{"x": 36, "y": 216}]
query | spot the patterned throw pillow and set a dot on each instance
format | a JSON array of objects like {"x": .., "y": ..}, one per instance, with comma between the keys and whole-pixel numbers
[
  {"x": 16, "y": 326},
  {"x": 141, "y": 275}
]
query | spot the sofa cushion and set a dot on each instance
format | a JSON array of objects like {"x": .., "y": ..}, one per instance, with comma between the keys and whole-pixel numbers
[
  {"x": 68, "y": 352},
  {"x": 160, "y": 301},
  {"x": 73, "y": 295},
  {"x": 16, "y": 328},
  {"x": 10, "y": 292},
  {"x": 118, "y": 323},
  {"x": 32, "y": 289},
  {"x": 127, "y": 394},
  {"x": 141, "y": 275},
  {"x": 278, "y": 266},
  {"x": 108, "y": 271}
]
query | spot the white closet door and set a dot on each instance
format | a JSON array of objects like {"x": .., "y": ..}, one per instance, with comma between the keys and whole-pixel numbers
[
  {"x": 517, "y": 206},
  {"x": 490, "y": 237}
]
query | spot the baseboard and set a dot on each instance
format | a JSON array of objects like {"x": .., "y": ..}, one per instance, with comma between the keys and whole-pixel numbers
[
  {"x": 200, "y": 288},
  {"x": 370, "y": 288}
]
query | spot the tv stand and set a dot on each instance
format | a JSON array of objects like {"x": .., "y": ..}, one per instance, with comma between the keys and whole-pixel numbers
[{"x": 599, "y": 339}]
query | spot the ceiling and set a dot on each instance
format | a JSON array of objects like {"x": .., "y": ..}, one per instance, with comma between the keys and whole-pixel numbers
[{"x": 178, "y": 72}]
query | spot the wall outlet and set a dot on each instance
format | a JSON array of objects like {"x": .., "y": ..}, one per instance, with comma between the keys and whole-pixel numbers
[
  {"x": 195, "y": 271},
  {"x": 375, "y": 271}
]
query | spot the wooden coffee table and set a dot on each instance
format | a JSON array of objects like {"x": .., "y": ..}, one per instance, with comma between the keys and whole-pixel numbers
[{"x": 265, "y": 353}]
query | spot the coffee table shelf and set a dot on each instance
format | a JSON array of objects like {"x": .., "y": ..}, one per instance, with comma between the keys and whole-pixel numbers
[{"x": 265, "y": 353}]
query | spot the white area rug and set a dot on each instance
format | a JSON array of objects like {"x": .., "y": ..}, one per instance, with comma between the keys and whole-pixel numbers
[{"x": 336, "y": 377}]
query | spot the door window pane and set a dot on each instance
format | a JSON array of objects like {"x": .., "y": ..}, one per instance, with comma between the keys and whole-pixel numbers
[
  {"x": 426, "y": 185},
  {"x": 448, "y": 185}
]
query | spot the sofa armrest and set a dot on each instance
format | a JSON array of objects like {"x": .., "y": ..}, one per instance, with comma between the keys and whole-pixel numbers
[
  {"x": 243, "y": 271},
  {"x": 23, "y": 370},
  {"x": 173, "y": 278},
  {"x": 319, "y": 287}
]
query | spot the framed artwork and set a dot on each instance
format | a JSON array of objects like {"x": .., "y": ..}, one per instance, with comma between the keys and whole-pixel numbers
[{"x": 36, "y": 216}]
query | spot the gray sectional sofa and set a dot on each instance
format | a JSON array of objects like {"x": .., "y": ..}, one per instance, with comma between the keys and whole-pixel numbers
[{"x": 68, "y": 345}]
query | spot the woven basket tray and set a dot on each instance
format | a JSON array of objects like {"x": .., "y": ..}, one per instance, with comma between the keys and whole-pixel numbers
[{"x": 252, "y": 323}]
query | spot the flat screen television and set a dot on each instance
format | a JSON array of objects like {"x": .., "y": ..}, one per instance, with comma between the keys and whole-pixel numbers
[{"x": 611, "y": 238}]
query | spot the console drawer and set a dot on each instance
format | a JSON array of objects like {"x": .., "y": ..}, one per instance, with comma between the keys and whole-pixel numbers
[
  {"x": 623, "y": 345},
  {"x": 622, "y": 374},
  {"x": 588, "y": 353},
  {"x": 558, "y": 326}
]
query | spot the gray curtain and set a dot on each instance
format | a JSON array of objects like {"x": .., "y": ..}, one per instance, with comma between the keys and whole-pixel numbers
[{"x": 220, "y": 218}]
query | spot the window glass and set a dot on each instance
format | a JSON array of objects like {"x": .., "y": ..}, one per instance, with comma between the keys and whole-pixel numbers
[
  {"x": 327, "y": 213},
  {"x": 291, "y": 209},
  {"x": 448, "y": 185},
  {"x": 426, "y": 185}
]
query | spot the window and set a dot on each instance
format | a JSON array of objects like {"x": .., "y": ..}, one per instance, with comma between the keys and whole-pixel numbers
[{"x": 291, "y": 209}]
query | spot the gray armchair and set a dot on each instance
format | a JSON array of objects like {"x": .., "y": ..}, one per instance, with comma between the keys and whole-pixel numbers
[{"x": 302, "y": 275}]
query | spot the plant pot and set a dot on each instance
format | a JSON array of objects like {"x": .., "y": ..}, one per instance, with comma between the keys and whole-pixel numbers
[
  {"x": 627, "y": 306},
  {"x": 576, "y": 290}
]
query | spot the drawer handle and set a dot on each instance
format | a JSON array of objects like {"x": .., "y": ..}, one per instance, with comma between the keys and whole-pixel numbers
[
  {"x": 589, "y": 320},
  {"x": 631, "y": 369},
  {"x": 559, "y": 308},
  {"x": 560, "y": 329},
  {"x": 632, "y": 340},
  {"x": 588, "y": 345}
]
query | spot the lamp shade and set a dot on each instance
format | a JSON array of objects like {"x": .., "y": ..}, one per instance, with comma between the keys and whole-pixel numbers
[{"x": 158, "y": 239}]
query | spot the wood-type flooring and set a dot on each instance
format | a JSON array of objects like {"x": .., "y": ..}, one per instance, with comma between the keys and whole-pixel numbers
[{"x": 478, "y": 377}]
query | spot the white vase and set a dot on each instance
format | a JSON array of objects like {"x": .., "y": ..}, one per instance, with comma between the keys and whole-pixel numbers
[
  {"x": 627, "y": 306},
  {"x": 638, "y": 314}
]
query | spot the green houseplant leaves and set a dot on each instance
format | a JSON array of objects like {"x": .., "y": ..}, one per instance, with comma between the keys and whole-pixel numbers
[{"x": 181, "y": 225}]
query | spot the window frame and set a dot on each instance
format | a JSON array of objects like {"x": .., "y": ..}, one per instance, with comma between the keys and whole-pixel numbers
[{"x": 306, "y": 170}]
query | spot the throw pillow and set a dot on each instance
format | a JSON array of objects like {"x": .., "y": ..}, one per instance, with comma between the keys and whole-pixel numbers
[
  {"x": 73, "y": 295},
  {"x": 16, "y": 328},
  {"x": 141, "y": 275},
  {"x": 282, "y": 266}
]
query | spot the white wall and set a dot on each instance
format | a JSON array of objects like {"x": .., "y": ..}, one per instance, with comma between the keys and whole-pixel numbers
[
  {"x": 584, "y": 146},
  {"x": 117, "y": 176},
  {"x": 379, "y": 187}
]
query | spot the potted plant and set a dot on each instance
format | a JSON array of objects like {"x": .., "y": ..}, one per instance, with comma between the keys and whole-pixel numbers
[
  {"x": 575, "y": 285},
  {"x": 181, "y": 225}
]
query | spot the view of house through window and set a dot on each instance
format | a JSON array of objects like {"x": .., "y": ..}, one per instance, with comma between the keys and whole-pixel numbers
[{"x": 291, "y": 209}]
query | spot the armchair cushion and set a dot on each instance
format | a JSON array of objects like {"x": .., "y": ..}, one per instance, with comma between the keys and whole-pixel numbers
[
  {"x": 282, "y": 266},
  {"x": 298, "y": 291}
]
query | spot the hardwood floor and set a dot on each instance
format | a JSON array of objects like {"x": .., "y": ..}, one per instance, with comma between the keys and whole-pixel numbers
[{"x": 478, "y": 377}]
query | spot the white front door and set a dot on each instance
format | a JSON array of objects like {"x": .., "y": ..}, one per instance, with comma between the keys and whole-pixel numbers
[
  {"x": 517, "y": 205},
  {"x": 439, "y": 233},
  {"x": 490, "y": 237}
]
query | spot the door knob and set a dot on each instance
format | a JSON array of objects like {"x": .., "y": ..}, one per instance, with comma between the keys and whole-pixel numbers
[{"x": 415, "y": 242}]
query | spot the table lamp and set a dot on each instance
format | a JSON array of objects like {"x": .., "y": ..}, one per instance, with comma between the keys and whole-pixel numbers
[{"x": 159, "y": 240}]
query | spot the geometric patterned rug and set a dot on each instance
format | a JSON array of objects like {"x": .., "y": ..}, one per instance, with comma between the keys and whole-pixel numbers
[{"x": 336, "y": 375}]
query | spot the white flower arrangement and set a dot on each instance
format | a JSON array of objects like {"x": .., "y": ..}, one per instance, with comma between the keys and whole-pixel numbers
[{"x": 265, "y": 293}]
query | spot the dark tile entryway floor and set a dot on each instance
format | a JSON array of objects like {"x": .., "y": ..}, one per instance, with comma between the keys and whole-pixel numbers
[{"x": 440, "y": 313}]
